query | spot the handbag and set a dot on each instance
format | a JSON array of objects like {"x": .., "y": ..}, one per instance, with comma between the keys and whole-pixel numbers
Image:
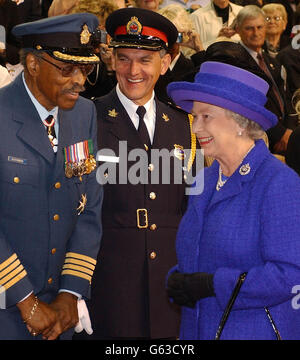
[{"x": 229, "y": 306}]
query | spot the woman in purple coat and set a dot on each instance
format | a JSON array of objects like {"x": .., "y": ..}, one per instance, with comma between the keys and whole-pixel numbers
[{"x": 245, "y": 220}]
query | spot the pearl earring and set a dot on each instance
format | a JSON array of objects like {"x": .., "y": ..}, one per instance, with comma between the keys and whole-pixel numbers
[{"x": 240, "y": 133}]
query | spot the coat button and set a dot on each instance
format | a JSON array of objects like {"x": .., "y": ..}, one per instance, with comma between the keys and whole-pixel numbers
[
  {"x": 152, "y": 196},
  {"x": 152, "y": 255},
  {"x": 16, "y": 180},
  {"x": 53, "y": 251},
  {"x": 153, "y": 227},
  {"x": 57, "y": 185},
  {"x": 50, "y": 280},
  {"x": 150, "y": 167},
  {"x": 56, "y": 217}
]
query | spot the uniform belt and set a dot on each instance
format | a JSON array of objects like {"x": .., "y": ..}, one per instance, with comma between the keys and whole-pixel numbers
[{"x": 141, "y": 218}]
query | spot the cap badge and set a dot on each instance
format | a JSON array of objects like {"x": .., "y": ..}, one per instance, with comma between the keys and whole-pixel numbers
[
  {"x": 112, "y": 113},
  {"x": 179, "y": 152},
  {"x": 165, "y": 117},
  {"x": 85, "y": 35},
  {"x": 134, "y": 27}
]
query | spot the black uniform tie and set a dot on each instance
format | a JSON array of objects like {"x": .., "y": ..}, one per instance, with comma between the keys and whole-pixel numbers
[{"x": 142, "y": 129}]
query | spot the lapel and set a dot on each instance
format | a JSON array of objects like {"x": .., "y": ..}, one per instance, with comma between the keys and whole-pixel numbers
[
  {"x": 162, "y": 128},
  {"x": 64, "y": 139},
  {"x": 119, "y": 123},
  {"x": 31, "y": 131},
  {"x": 236, "y": 182}
]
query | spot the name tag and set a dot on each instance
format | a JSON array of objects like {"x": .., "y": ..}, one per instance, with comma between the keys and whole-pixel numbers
[{"x": 17, "y": 160}]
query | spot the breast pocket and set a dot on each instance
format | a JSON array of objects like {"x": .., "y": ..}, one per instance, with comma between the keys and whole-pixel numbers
[{"x": 19, "y": 190}]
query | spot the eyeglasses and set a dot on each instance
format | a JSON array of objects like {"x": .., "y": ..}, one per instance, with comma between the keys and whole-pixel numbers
[
  {"x": 276, "y": 18},
  {"x": 68, "y": 69}
]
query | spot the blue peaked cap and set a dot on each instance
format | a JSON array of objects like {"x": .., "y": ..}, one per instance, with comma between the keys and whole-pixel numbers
[{"x": 67, "y": 37}]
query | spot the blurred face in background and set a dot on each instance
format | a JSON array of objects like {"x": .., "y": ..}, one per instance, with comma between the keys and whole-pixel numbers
[
  {"x": 148, "y": 4},
  {"x": 276, "y": 23},
  {"x": 221, "y": 3},
  {"x": 253, "y": 32}
]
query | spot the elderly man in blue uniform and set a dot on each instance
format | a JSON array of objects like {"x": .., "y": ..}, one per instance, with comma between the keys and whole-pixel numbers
[
  {"x": 139, "y": 219},
  {"x": 50, "y": 200}
]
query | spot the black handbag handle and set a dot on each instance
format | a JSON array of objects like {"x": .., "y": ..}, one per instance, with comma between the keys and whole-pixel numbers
[{"x": 229, "y": 306}]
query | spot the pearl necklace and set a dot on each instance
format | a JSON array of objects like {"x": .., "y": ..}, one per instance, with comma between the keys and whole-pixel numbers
[{"x": 220, "y": 182}]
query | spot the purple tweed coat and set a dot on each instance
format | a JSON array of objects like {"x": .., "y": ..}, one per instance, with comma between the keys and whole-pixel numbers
[{"x": 252, "y": 224}]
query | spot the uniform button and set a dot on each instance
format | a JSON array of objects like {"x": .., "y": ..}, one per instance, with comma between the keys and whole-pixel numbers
[
  {"x": 56, "y": 217},
  {"x": 50, "y": 280},
  {"x": 57, "y": 185},
  {"x": 153, "y": 227},
  {"x": 150, "y": 167},
  {"x": 53, "y": 251},
  {"x": 152, "y": 255},
  {"x": 152, "y": 196},
  {"x": 16, "y": 180}
]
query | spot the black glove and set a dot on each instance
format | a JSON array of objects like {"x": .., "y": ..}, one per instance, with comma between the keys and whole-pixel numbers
[{"x": 186, "y": 289}]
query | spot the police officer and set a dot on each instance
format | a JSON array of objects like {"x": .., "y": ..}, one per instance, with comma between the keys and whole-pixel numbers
[
  {"x": 50, "y": 201},
  {"x": 140, "y": 218}
]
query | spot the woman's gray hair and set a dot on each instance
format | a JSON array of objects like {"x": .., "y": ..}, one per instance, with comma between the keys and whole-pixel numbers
[
  {"x": 249, "y": 11},
  {"x": 253, "y": 130}
]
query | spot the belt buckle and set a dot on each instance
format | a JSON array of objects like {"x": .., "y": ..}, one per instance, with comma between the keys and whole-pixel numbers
[{"x": 138, "y": 211}]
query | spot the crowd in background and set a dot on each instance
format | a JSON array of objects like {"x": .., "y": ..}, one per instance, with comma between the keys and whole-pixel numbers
[{"x": 200, "y": 23}]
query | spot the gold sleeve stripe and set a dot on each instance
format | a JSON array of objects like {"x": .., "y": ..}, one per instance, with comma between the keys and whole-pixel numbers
[
  {"x": 11, "y": 275},
  {"x": 79, "y": 262},
  {"x": 79, "y": 268},
  {"x": 8, "y": 261},
  {"x": 81, "y": 257},
  {"x": 78, "y": 274},
  {"x": 9, "y": 268},
  {"x": 12, "y": 282}
]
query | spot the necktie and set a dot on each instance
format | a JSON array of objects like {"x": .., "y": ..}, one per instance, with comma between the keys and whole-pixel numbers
[
  {"x": 49, "y": 123},
  {"x": 142, "y": 129},
  {"x": 263, "y": 66}
]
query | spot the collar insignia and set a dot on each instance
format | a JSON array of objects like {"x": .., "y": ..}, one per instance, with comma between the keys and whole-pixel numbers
[
  {"x": 112, "y": 113},
  {"x": 85, "y": 35},
  {"x": 165, "y": 117},
  {"x": 134, "y": 27}
]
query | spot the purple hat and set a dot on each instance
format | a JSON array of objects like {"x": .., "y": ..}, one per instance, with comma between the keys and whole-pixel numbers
[{"x": 229, "y": 87}]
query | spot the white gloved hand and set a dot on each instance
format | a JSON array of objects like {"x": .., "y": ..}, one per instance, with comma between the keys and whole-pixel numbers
[{"x": 84, "y": 322}]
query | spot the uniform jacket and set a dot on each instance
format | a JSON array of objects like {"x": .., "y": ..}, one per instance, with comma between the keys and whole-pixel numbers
[
  {"x": 44, "y": 244},
  {"x": 251, "y": 226},
  {"x": 128, "y": 296},
  {"x": 208, "y": 24}
]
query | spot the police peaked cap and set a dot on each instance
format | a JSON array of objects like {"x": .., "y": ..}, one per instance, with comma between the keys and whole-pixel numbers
[{"x": 141, "y": 29}]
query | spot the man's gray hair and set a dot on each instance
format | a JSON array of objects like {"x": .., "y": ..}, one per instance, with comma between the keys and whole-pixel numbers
[
  {"x": 23, "y": 54},
  {"x": 249, "y": 11}
]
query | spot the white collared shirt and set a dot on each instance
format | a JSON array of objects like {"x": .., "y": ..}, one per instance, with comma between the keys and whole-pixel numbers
[
  {"x": 250, "y": 51},
  {"x": 42, "y": 111},
  {"x": 131, "y": 108}
]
